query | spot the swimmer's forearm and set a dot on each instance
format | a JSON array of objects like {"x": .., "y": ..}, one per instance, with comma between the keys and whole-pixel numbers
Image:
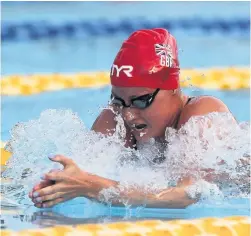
[{"x": 174, "y": 197}]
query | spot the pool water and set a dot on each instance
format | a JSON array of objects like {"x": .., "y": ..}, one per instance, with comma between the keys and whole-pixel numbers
[
  {"x": 87, "y": 103},
  {"x": 74, "y": 213},
  {"x": 91, "y": 53},
  {"x": 94, "y": 54}
]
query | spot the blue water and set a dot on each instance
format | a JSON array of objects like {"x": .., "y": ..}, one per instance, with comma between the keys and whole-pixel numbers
[
  {"x": 93, "y": 54},
  {"x": 87, "y": 53},
  {"x": 74, "y": 213}
]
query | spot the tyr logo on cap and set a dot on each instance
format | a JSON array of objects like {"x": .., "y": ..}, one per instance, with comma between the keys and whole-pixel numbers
[
  {"x": 126, "y": 69},
  {"x": 165, "y": 53}
]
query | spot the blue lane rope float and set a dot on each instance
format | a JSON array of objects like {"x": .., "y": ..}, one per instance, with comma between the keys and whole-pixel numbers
[{"x": 47, "y": 30}]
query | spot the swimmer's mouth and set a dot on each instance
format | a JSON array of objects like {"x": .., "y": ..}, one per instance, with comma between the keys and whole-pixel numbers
[{"x": 139, "y": 127}]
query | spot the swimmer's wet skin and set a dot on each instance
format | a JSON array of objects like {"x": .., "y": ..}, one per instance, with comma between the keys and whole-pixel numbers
[{"x": 146, "y": 93}]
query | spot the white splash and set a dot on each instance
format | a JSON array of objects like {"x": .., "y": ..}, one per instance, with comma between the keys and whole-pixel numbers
[{"x": 192, "y": 150}]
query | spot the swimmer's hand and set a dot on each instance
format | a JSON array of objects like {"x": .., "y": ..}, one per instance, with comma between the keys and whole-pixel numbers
[
  {"x": 62, "y": 185},
  {"x": 73, "y": 182},
  {"x": 42, "y": 184}
]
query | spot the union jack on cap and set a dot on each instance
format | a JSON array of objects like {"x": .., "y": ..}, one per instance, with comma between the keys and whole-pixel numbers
[{"x": 163, "y": 49}]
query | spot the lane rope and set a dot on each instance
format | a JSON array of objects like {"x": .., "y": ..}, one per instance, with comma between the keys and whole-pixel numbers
[
  {"x": 213, "y": 78},
  {"x": 37, "y": 30},
  {"x": 228, "y": 226}
]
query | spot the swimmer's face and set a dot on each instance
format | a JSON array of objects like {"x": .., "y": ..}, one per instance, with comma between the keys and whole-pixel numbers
[{"x": 149, "y": 122}]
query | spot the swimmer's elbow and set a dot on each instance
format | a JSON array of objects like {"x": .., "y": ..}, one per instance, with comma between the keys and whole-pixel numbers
[{"x": 173, "y": 198}]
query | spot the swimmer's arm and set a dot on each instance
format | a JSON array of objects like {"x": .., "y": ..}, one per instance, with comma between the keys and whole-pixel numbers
[
  {"x": 106, "y": 124},
  {"x": 73, "y": 182},
  {"x": 173, "y": 197}
]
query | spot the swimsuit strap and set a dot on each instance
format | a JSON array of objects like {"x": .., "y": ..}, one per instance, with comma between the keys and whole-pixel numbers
[{"x": 188, "y": 100}]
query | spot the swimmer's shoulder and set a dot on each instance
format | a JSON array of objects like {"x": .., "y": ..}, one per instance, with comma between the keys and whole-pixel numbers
[
  {"x": 201, "y": 105},
  {"x": 106, "y": 124}
]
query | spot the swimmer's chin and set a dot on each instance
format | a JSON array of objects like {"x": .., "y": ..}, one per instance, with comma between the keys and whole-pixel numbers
[
  {"x": 146, "y": 138},
  {"x": 141, "y": 135}
]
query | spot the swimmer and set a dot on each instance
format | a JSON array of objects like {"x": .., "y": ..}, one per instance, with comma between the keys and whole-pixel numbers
[{"x": 146, "y": 93}]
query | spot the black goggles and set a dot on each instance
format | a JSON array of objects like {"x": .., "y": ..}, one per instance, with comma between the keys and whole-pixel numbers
[{"x": 140, "y": 102}]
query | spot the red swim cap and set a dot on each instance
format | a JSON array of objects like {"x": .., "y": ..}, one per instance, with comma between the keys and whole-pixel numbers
[{"x": 148, "y": 58}]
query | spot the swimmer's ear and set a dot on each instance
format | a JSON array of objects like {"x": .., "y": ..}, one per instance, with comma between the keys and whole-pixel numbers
[{"x": 176, "y": 91}]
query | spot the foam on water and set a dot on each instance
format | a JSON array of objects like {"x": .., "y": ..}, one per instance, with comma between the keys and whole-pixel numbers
[{"x": 213, "y": 142}]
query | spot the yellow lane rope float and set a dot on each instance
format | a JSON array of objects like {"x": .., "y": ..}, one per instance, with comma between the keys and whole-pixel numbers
[
  {"x": 213, "y": 78},
  {"x": 4, "y": 154},
  {"x": 230, "y": 226}
]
